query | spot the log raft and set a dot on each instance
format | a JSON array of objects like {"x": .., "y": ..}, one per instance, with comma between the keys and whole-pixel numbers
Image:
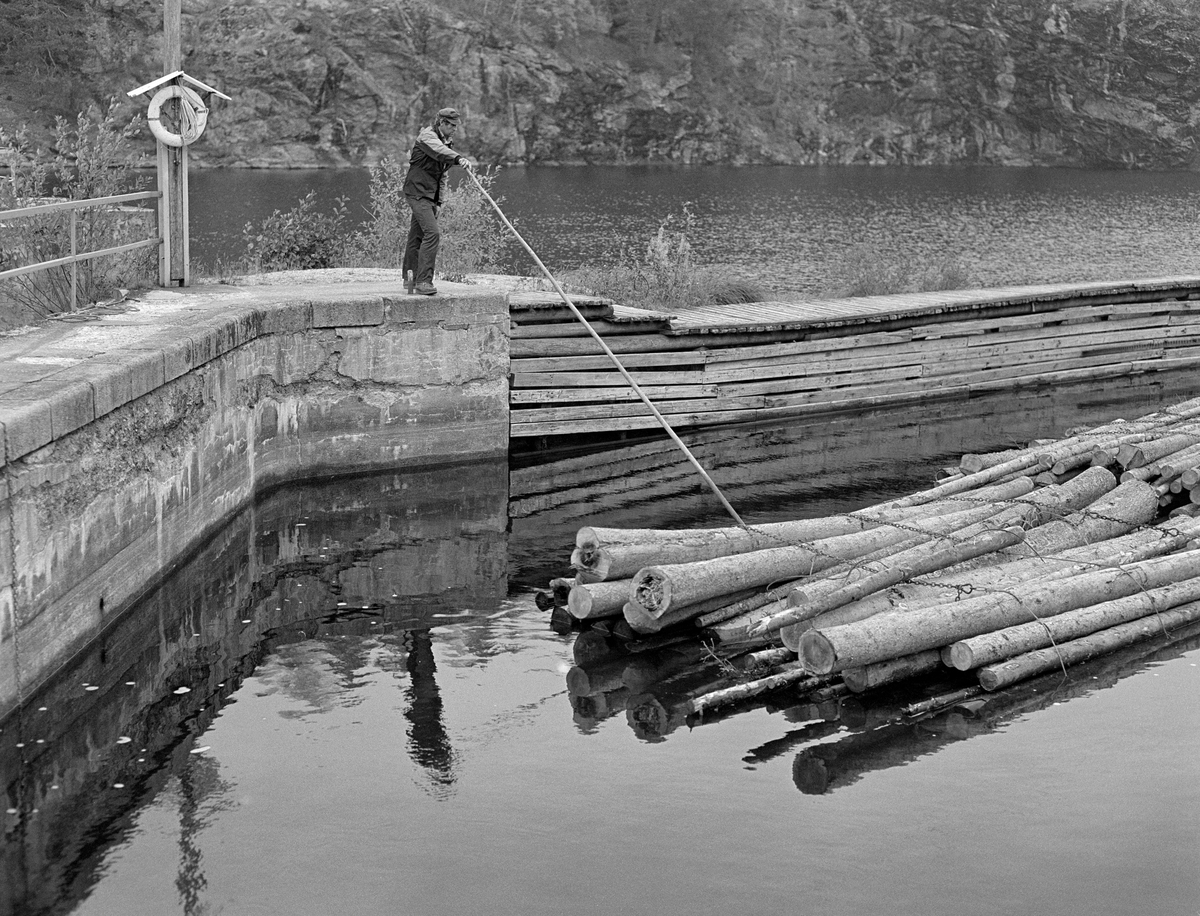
[{"x": 987, "y": 574}]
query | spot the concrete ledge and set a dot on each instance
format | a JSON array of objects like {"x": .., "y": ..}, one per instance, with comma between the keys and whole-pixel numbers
[{"x": 129, "y": 438}]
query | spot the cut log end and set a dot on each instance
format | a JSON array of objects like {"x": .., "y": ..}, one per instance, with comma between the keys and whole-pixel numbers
[
  {"x": 817, "y": 652},
  {"x": 579, "y": 602},
  {"x": 960, "y": 656},
  {"x": 989, "y": 680},
  {"x": 653, "y": 592}
]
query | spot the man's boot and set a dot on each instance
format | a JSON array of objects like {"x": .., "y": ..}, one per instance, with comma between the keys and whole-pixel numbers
[{"x": 425, "y": 288}]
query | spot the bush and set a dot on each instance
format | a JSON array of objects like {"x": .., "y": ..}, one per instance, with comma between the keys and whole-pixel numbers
[
  {"x": 665, "y": 275},
  {"x": 301, "y": 238},
  {"x": 472, "y": 235},
  {"x": 865, "y": 272},
  {"x": 90, "y": 159},
  {"x": 380, "y": 242}
]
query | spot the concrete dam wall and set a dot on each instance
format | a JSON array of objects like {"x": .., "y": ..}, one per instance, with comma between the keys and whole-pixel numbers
[{"x": 130, "y": 438}]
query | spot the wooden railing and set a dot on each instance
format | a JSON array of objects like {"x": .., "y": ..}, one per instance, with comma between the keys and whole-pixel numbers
[{"x": 75, "y": 257}]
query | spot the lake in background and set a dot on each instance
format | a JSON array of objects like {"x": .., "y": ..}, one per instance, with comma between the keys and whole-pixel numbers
[
  {"x": 348, "y": 702},
  {"x": 790, "y": 228}
]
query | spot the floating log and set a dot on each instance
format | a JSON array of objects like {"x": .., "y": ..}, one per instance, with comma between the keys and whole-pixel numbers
[
  {"x": 809, "y": 601},
  {"x": 1148, "y": 451},
  {"x": 892, "y": 634},
  {"x": 738, "y": 628},
  {"x": 657, "y": 588},
  {"x": 596, "y": 600},
  {"x": 1140, "y": 544},
  {"x": 994, "y": 677},
  {"x": 941, "y": 701},
  {"x": 611, "y": 553},
  {"x": 1005, "y": 643},
  {"x": 891, "y": 671},
  {"x": 792, "y": 674},
  {"x": 764, "y": 658},
  {"x": 745, "y": 606},
  {"x": 644, "y": 622}
]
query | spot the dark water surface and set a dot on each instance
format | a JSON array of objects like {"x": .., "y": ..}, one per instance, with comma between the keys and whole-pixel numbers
[
  {"x": 790, "y": 228},
  {"x": 348, "y": 703}
]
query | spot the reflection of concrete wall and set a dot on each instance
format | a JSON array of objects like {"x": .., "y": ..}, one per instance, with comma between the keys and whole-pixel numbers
[
  {"x": 89, "y": 518},
  {"x": 436, "y": 539}
]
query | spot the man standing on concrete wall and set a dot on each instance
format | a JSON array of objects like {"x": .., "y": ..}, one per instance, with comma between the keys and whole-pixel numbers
[{"x": 425, "y": 188}]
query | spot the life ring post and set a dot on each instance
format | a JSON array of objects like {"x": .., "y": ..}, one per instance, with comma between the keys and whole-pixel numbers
[{"x": 177, "y": 116}]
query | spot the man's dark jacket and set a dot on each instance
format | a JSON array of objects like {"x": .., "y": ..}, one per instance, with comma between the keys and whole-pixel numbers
[{"x": 432, "y": 156}]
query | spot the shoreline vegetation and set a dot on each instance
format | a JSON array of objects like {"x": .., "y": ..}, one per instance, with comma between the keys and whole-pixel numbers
[{"x": 91, "y": 157}]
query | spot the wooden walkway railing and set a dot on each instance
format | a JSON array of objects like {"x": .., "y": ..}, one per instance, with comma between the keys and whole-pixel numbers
[
  {"x": 75, "y": 257},
  {"x": 720, "y": 365}
]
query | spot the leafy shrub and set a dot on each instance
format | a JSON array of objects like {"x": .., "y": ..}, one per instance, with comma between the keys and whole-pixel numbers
[
  {"x": 865, "y": 272},
  {"x": 380, "y": 242},
  {"x": 89, "y": 159},
  {"x": 665, "y": 275},
  {"x": 301, "y": 238},
  {"x": 472, "y": 235}
]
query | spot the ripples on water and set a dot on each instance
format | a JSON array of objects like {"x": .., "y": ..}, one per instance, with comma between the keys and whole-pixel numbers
[{"x": 790, "y": 228}]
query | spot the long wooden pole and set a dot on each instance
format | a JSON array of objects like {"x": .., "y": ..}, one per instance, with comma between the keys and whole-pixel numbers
[
  {"x": 172, "y": 167},
  {"x": 608, "y": 352}
]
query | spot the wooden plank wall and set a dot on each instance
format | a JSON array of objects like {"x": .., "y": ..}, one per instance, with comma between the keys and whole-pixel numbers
[{"x": 732, "y": 371}]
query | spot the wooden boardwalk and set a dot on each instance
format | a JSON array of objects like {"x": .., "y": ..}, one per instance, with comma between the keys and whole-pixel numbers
[{"x": 717, "y": 365}]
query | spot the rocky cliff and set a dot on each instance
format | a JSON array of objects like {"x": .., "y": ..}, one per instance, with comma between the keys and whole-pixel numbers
[{"x": 346, "y": 82}]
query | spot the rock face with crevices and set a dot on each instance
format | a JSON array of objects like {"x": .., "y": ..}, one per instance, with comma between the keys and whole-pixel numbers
[{"x": 1108, "y": 83}]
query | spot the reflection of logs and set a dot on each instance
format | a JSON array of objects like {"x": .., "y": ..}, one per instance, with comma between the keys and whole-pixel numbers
[
  {"x": 826, "y": 767},
  {"x": 593, "y": 709}
]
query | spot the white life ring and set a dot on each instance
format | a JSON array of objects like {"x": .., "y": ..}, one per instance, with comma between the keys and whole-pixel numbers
[{"x": 193, "y": 115}]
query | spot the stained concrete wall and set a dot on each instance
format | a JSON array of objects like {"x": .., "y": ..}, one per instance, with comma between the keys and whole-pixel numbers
[{"x": 130, "y": 438}]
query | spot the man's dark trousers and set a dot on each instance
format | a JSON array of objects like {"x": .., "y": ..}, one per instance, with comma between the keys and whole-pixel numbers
[{"x": 424, "y": 237}]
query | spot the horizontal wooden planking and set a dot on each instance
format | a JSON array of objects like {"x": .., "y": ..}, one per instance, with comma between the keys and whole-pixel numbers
[
  {"x": 524, "y": 396},
  {"x": 998, "y": 346},
  {"x": 868, "y": 345},
  {"x": 587, "y": 346},
  {"x": 603, "y": 379},
  {"x": 569, "y": 331},
  {"x": 636, "y": 409},
  {"x": 845, "y": 399},
  {"x": 585, "y": 363}
]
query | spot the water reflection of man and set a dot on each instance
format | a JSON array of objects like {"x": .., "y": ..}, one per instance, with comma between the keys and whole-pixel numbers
[
  {"x": 429, "y": 745},
  {"x": 432, "y": 156}
]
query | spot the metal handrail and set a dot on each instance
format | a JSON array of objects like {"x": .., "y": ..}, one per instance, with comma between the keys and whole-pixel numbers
[{"x": 74, "y": 257}]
